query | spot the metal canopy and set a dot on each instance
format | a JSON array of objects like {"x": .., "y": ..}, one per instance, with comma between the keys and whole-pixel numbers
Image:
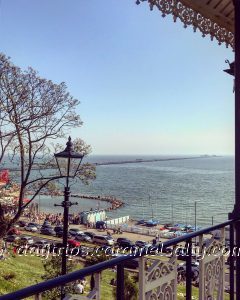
[{"x": 211, "y": 17}]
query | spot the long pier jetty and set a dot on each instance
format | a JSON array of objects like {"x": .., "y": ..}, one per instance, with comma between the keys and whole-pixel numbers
[
  {"x": 106, "y": 163},
  {"x": 139, "y": 160}
]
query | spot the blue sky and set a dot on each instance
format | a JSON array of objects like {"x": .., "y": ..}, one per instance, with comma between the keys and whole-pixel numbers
[{"x": 146, "y": 84}]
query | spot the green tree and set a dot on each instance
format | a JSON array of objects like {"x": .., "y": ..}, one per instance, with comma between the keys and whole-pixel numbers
[
  {"x": 52, "y": 268},
  {"x": 34, "y": 113}
]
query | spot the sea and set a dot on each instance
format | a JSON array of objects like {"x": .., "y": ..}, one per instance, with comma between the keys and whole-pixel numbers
[{"x": 177, "y": 191}]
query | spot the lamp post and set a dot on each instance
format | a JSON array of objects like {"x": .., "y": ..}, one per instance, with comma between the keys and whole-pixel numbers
[{"x": 68, "y": 162}]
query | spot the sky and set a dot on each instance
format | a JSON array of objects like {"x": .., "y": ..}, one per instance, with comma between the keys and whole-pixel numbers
[{"x": 146, "y": 84}]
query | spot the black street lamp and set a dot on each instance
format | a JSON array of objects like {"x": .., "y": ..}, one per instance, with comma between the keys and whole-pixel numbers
[
  {"x": 231, "y": 70},
  {"x": 68, "y": 162}
]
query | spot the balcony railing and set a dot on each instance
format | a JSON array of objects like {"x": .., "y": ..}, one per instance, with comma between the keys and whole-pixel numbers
[{"x": 159, "y": 273}]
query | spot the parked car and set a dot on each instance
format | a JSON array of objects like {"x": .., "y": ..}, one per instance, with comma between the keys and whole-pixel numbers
[
  {"x": 74, "y": 231},
  {"x": 57, "y": 248},
  {"x": 58, "y": 228},
  {"x": 103, "y": 240},
  {"x": 119, "y": 240},
  {"x": 47, "y": 231},
  {"x": 31, "y": 228},
  {"x": 101, "y": 225},
  {"x": 41, "y": 244},
  {"x": 22, "y": 223},
  {"x": 90, "y": 234},
  {"x": 60, "y": 234},
  {"x": 105, "y": 249},
  {"x": 46, "y": 224},
  {"x": 27, "y": 240},
  {"x": 83, "y": 237},
  {"x": 125, "y": 243},
  {"x": 34, "y": 224},
  {"x": 73, "y": 243},
  {"x": 194, "y": 269},
  {"x": 12, "y": 238},
  {"x": 142, "y": 244},
  {"x": 182, "y": 254},
  {"x": 14, "y": 230}
]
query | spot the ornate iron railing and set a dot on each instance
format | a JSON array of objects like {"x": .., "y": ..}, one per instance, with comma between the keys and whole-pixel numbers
[{"x": 158, "y": 272}]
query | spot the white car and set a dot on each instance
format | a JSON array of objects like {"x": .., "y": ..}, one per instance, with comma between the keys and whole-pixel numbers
[
  {"x": 27, "y": 240},
  {"x": 83, "y": 237},
  {"x": 103, "y": 240},
  {"x": 31, "y": 228},
  {"x": 75, "y": 231},
  {"x": 41, "y": 244},
  {"x": 143, "y": 244}
]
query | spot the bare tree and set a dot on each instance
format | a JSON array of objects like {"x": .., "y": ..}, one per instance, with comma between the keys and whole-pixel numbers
[{"x": 35, "y": 113}]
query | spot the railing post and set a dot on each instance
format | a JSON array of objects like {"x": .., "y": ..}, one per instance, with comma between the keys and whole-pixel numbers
[
  {"x": 120, "y": 282},
  {"x": 223, "y": 241},
  {"x": 97, "y": 286},
  {"x": 189, "y": 270},
  {"x": 38, "y": 297},
  {"x": 201, "y": 269},
  {"x": 231, "y": 262},
  {"x": 142, "y": 279},
  {"x": 237, "y": 258}
]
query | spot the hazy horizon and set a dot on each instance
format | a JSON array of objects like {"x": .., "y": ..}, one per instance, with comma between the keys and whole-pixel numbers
[{"x": 146, "y": 84}]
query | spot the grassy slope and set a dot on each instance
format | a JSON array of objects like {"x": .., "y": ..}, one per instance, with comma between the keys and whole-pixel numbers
[
  {"x": 21, "y": 271},
  {"x": 18, "y": 272}
]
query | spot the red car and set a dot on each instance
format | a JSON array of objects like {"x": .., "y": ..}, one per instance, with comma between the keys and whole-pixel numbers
[
  {"x": 73, "y": 243},
  {"x": 13, "y": 231}
]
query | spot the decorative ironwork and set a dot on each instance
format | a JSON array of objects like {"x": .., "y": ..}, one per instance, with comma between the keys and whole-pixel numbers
[
  {"x": 190, "y": 17},
  {"x": 160, "y": 280},
  {"x": 212, "y": 274}
]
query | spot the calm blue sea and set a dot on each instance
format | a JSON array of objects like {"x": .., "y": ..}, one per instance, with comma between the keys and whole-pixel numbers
[{"x": 166, "y": 190}]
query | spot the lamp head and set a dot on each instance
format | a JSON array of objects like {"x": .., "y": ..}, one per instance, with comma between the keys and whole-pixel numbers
[
  {"x": 68, "y": 161},
  {"x": 231, "y": 70}
]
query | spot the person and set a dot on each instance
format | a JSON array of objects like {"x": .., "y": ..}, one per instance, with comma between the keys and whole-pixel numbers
[
  {"x": 79, "y": 288},
  {"x": 83, "y": 281}
]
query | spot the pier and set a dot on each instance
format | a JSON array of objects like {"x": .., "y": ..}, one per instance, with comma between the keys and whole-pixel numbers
[
  {"x": 134, "y": 161},
  {"x": 139, "y": 160}
]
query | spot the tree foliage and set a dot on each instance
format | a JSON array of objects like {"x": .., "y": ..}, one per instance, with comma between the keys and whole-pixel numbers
[
  {"x": 52, "y": 268},
  {"x": 35, "y": 113},
  {"x": 131, "y": 289}
]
